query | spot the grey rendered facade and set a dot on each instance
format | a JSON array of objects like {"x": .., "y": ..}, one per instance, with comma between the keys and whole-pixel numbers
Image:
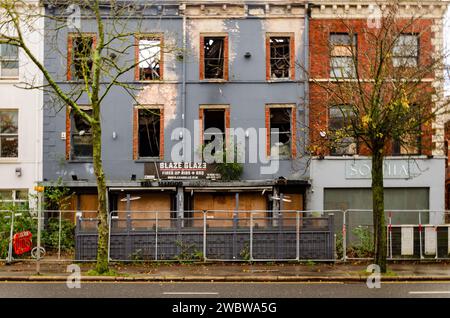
[{"x": 182, "y": 93}]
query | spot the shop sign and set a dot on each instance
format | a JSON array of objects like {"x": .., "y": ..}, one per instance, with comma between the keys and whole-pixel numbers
[
  {"x": 393, "y": 169},
  {"x": 181, "y": 171}
]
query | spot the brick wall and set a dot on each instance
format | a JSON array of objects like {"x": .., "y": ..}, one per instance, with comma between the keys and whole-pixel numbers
[{"x": 321, "y": 98}]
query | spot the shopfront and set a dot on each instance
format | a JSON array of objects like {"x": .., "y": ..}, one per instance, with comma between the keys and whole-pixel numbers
[{"x": 410, "y": 184}]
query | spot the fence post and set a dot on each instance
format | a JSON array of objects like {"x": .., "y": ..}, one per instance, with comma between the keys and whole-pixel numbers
[
  {"x": 59, "y": 236},
  {"x": 297, "y": 228},
  {"x": 156, "y": 236},
  {"x": 204, "y": 235},
  {"x": 331, "y": 236},
  {"x": 109, "y": 235},
  {"x": 128, "y": 239},
  {"x": 251, "y": 236},
  {"x": 344, "y": 235},
  {"x": 11, "y": 232},
  {"x": 420, "y": 234}
]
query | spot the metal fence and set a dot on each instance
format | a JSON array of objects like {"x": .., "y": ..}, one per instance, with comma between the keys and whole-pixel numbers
[
  {"x": 410, "y": 234},
  {"x": 225, "y": 235},
  {"x": 213, "y": 235},
  {"x": 57, "y": 235}
]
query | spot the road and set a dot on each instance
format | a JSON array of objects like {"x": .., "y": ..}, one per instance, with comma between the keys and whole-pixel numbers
[{"x": 223, "y": 290}]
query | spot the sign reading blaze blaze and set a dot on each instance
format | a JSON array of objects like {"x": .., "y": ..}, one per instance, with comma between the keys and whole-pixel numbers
[
  {"x": 22, "y": 242},
  {"x": 181, "y": 170}
]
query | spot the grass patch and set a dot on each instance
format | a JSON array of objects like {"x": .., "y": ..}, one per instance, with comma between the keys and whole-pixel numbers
[
  {"x": 110, "y": 272},
  {"x": 388, "y": 273}
]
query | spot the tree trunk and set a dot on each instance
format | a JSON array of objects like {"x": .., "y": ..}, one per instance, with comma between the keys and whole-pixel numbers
[
  {"x": 102, "y": 213},
  {"x": 378, "y": 208}
]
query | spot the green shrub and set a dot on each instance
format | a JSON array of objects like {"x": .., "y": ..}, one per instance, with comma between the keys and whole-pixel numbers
[
  {"x": 23, "y": 222},
  {"x": 50, "y": 235},
  {"x": 363, "y": 248}
]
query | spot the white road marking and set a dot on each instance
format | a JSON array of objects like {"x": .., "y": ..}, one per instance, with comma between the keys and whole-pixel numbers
[
  {"x": 190, "y": 293},
  {"x": 431, "y": 292}
]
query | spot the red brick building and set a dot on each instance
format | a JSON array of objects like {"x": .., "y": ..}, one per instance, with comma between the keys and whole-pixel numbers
[{"x": 414, "y": 174}]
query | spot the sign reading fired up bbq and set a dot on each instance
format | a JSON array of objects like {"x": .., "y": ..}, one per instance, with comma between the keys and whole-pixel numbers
[{"x": 181, "y": 171}]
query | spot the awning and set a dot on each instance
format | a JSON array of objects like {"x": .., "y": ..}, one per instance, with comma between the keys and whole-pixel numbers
[
  {"x": 142, "y": 188},
  {"x": 229, "y": 189}
]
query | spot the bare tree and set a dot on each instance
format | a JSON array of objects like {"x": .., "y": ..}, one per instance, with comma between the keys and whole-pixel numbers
[
  {"x": 382, "y": 89},
  {"x": 99, "y": 60}
]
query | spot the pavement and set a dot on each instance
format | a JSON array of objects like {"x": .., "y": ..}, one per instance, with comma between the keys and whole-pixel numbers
[{"x": 229, "y": 272}]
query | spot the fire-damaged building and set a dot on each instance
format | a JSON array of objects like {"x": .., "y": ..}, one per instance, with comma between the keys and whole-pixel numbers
[{"x": 232, "y": 71}]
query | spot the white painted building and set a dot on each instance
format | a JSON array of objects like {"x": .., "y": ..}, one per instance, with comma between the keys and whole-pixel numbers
[{"x": 20, "y": 118}]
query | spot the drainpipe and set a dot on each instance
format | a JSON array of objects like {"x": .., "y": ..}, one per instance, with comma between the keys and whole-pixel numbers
[
  {"x": 306, "y": 70},
  {"x": 183, "y": 88}
]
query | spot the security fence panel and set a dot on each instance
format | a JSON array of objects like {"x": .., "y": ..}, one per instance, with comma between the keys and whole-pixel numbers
[{"x": 409, "y": 234}]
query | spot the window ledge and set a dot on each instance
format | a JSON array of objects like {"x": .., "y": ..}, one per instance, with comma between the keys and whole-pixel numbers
[
  {"x": 9, "y": 160},
  {"x": 212, "y": 80},
  {"x": 281, "y": 80},
  {"x": 80, "y": 161},
  {"x": 160, "y": 81},
  {"x": 4, "y": 80},
  {"x": 145, "y": 160}
]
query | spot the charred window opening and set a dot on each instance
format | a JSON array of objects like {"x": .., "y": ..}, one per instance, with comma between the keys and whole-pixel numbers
[
  {"x": 82, "y": 47},
  {"x": 340, "y": 118},
  {"x": 343, "y": 56},
  {"x": 9, "y": 134},
  {"x": 214, "y": 57},
  {"x": 149, "y": 59},
  {"x": 280, "y": 132},
  {"x": 81, "y": 136},
  {"x": 214, "y": 125},
  {"x": 406, "y": 51},
  {"x": 280, "y": 57},
  {"x": 149, "y": 132}
]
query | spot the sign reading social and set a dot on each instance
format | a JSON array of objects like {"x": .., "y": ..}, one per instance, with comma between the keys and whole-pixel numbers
[{"x": 393, "y": 169}]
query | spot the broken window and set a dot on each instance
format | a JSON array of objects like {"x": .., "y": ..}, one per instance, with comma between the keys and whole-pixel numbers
[
  {"x": 9, "y": 134},
  {"x": 406, "y": 51},
  {"x": 340, "y": 118},
  {"x": 214, "y": 57},
  {"x": 81, "y": 63},
  {"x": 81, "y": 134},
  {"x": 149, "y": 132},
  {"x": 280, "y": 132},
  {"x": 213, "y": 126},
  {"x": 150, "y": 59},
  {"x": 9, "y": 61},
  {"x": 280, "y": 57},
  {"x": 343, "y": 56}
]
